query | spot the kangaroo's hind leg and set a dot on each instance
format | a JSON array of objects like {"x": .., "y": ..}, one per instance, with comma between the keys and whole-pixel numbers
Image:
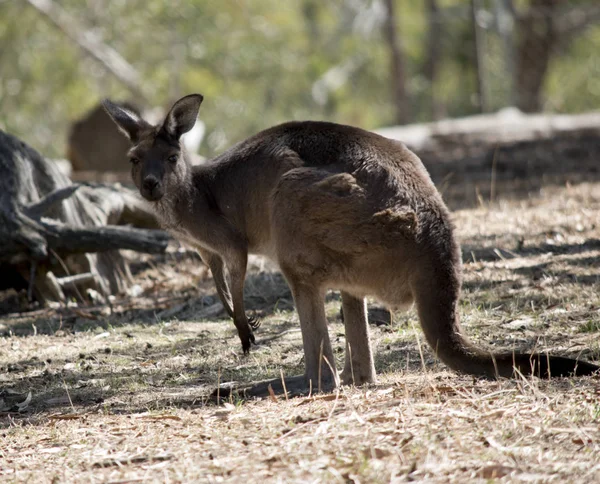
[
  {"x": 359, "y": 367},
  {"x": 320, "y": 372}
]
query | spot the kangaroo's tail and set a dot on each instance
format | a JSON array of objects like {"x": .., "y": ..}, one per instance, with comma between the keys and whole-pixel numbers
[{"x": 437, "y": 308}]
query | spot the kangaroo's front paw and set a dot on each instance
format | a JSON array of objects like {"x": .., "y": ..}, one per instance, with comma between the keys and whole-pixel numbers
[
  {"x": 246, "y": 336},
  {"x": 247, "y": 341},
  {"x": 254, "y": 322}
]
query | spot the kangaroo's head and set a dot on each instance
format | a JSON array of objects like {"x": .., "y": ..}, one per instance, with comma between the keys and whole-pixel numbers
[{"x": 159, "y": 166}]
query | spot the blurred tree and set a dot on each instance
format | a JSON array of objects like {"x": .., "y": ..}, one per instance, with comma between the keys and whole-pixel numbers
[
  {"x": 397, "y": 65},
  {"x": 432, "y": 56},
  {"x": 479, "y": 57},
  {"x": 92, "y": 46},
  {"x": 544, "y": 26},
  {"x": 261, "y": 62}
]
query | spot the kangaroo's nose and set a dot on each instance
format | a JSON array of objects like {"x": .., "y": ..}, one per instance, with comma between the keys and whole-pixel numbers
[{"x": 150, "y": 183}]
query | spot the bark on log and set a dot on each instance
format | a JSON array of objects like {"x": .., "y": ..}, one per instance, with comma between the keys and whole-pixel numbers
[
  {"x": 67, "y": 228},
  {"x": 73, "y": 240}
]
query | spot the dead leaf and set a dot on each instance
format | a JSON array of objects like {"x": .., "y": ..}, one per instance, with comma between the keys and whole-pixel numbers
[
  {"x": 160, "y": 417},
  {"x": 376, "y": 453},
  {"x": 272, "y": 394},
  {"x": 445, "y": 389},
  {"x": 380, "y": 418},
  {"x": 25, "y": 403},
  {"x": 272, "y": 459},
  {"x": 65, "y": 416},
  {"x": 136, "y": 459},
  {"x": 495, "y": 471},
  {"x": 322, "y": 398},
  {"x": 580, "y": 441}
]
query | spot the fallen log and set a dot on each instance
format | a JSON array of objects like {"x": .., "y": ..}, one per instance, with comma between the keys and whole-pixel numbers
[
  {"x": 506, "y": 152},
  {"x": 49, "y": 224},
  {"x": 66, "y": 239}
]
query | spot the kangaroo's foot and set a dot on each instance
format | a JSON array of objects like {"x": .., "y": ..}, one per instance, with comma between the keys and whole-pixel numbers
[
  {"x": 295, "y": 386},
  {"x": 357, "y": 377}
]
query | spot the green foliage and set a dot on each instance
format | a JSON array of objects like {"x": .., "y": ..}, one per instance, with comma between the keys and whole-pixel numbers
[
  {"x": 590, "y": 327},
  {"x": 258, "y": 63}
]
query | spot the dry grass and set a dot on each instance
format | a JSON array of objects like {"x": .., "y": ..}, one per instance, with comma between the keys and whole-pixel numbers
[{"x": 125, "y": 396}]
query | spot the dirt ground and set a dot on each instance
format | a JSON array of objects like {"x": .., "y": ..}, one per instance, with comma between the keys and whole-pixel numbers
[{"x": 126, "y": 393}]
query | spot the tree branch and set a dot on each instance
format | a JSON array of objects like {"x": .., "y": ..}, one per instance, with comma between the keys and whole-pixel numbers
[
  {"x": 65, "y": 238},
  {"x": 103, "y": 53},
  {"x": 38, "y": 209},
  {"x": 397, "y": 64}
]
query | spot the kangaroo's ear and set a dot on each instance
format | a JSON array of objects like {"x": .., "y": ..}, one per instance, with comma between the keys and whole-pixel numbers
[
  {"x": 127, "y": 121},
  {"x": 182, "y": 116}
]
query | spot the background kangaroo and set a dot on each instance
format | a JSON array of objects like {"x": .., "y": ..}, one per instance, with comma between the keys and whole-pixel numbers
[{"x": 337, "y": 208}]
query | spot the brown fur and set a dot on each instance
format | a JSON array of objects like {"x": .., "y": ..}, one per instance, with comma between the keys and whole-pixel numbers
[{"x": 336, "y": 207}]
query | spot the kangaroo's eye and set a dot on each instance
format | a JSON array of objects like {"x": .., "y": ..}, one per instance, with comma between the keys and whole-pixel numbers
[
  {"x": 133, "y": 160},
  {"x": 173, "y": 158}
]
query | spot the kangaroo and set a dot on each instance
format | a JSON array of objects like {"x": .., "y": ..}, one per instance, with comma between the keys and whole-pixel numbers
[{"x": 336, "y": 207}]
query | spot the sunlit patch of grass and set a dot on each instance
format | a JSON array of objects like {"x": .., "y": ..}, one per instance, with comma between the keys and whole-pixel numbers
[{"x": 590, "y": 326}]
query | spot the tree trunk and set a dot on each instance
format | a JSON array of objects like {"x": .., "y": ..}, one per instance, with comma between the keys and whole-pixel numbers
[
  {"x": 536, "y": 39},
  {"x": 397, "y": 66},
  {"x": 431, "y": 66},
  {"x": 505, "y": 21},
  {"x": 478, "y": 59}
]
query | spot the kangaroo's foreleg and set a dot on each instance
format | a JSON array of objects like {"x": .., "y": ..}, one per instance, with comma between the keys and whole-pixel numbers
[
  {"x": 230, "y": 249},
  {"x": 217, "y": 268},
  {"x": 358, "y": 367},
  {"x": 320, "y": 373},
  {"x": 236, "y": 266}
]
